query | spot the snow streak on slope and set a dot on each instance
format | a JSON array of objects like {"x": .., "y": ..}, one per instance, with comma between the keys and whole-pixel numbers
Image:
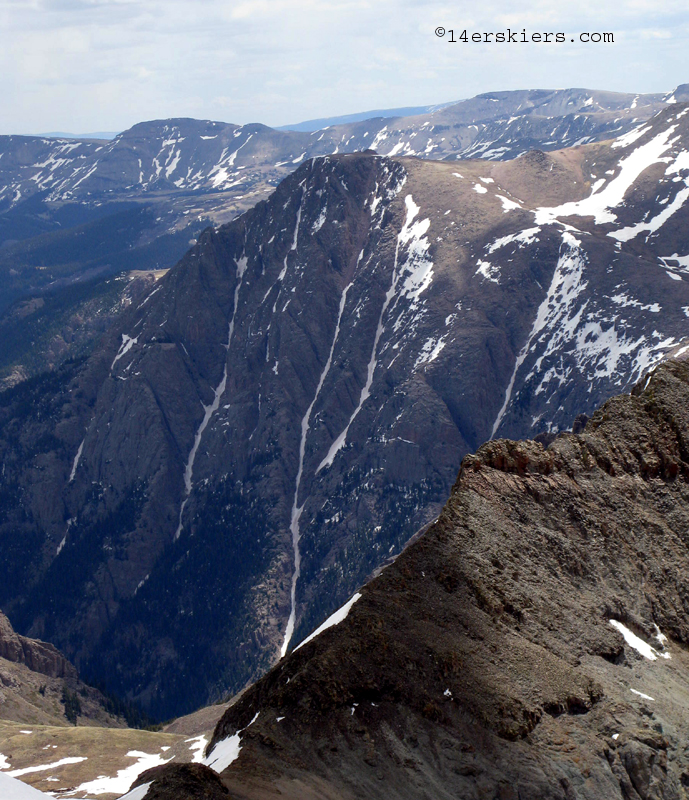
[
  {"x": 75, "y": 463},
  {"x": 418, "y": 273},
  {"x": 652, "y": 225},
  {"x": 226, "y": 750},
  {"x": 334, "y": 619},
  {"x": 567, "y": 284},
  {"x": 126, "y": 776},
  {"x": 296, "y": 508},
  {"x": 574, "y": 333},
  {"x": 213, "y": 407},
  {"x": 127, "y": 343},
  {"x": 680, "y": 164}
]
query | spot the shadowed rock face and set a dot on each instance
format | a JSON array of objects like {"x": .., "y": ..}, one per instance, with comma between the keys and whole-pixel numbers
[
  {"x": 39, "y": 686},
  {"x": 291, "y": 403},
  {"x": 483, "y": 662}
]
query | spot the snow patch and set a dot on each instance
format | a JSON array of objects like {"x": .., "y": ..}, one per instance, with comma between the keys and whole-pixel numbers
[
  {"x": 197, "y": 745},
  {"x": 334, "y": 619},
  {"x": 296, "y": 508},
  {"x": 507, "y": 204},
  {"x": 127, "y": 343},
  {"x": 638, "y": 644},
  {"x": 430, "y": 351},
  {"x": 16, "y": 773},
  {"x": 652, "y": 225},
  {"x": 523, "y": 238},
  {"x": 125, "y": 777},
  {"x": 488, "y": 271},
  {"x": 75, "y": 463},
  {"x": 318, "y": 224},
  {"x": 629, "y": 138},
  {"x": 226, "y": 750}
]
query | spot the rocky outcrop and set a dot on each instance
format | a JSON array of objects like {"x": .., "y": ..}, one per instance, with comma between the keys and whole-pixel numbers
[
  {"x": 533, "y": 643},
  {"x": 189, "y": 781},
  {"x": 39, "y": 686},
  {"x": 38, "y": 656}
]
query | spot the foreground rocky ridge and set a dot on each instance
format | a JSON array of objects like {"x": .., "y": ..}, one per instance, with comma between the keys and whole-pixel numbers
[
  {"x": 290, "y": 404},
  {"x": 493, "y": 658}
]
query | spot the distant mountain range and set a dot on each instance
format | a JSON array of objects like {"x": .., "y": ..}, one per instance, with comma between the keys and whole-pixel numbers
[
  {"x": 269, "y": 424},
  {"x": 307, "y": 125},
  {"x": 326, "y": 122},
  {"x": 201, "y": 156},
  {"x": 101, "y": 135}
]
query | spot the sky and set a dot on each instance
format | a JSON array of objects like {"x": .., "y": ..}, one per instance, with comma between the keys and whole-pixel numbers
[{"x": 103, "y": 65}]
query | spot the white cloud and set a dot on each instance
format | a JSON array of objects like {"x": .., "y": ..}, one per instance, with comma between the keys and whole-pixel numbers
[{"x": 106, "y": 64}]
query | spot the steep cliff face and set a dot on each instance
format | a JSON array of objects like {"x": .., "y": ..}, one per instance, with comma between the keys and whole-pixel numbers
[
  {"x": 533, "y": 643},
  {"x": 39, "y": 686},
  {"x": 38, "y": 656},
  {"x": 290, "y": 404}
]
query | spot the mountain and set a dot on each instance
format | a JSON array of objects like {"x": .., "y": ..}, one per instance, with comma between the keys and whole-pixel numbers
[
  {"x": 532, "y": 643},
  {"x": 289, "y": 405},
  {"x": 73, "y": 213},
  {"x": 100, "y": 135}
]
